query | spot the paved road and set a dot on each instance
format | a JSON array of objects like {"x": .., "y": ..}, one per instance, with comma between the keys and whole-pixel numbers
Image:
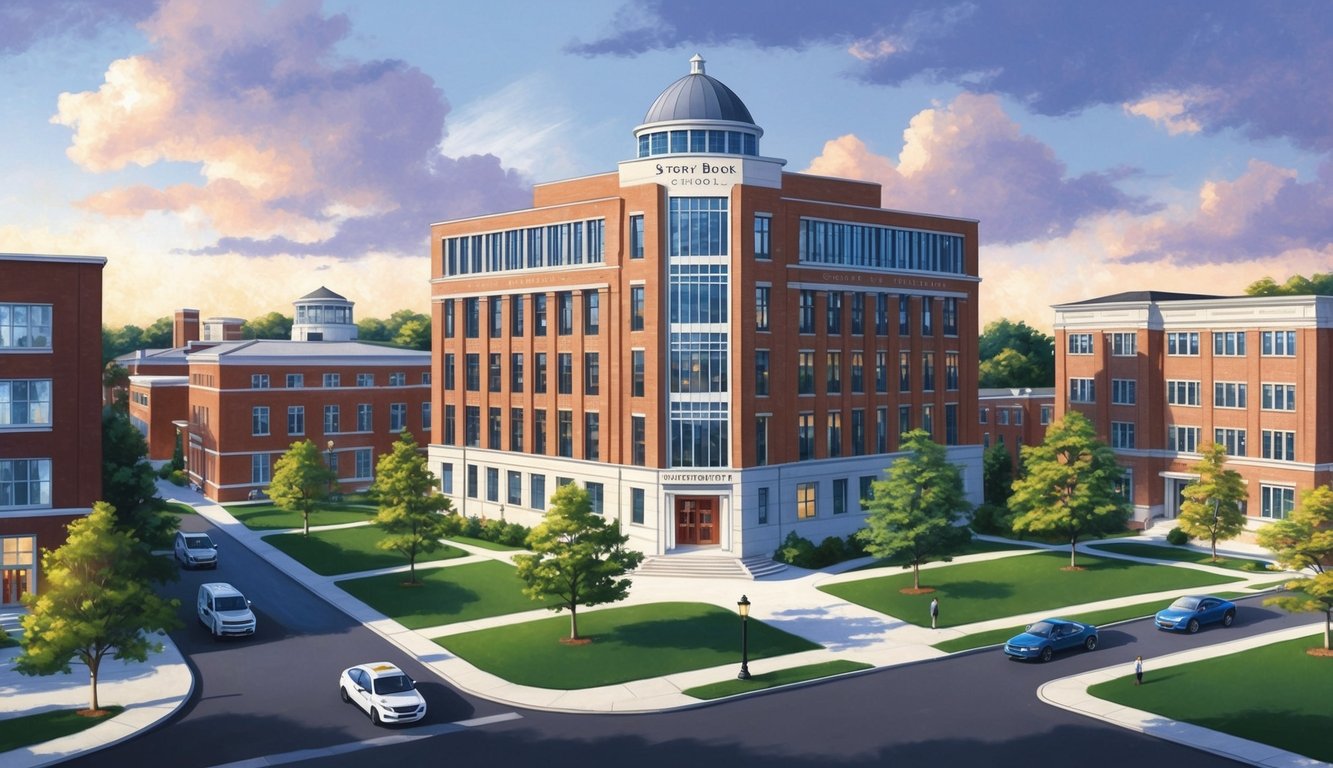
[{"x": 276, "y": 693}]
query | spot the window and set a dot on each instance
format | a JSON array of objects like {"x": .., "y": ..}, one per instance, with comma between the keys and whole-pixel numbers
[
  {"x": 565, "y": 434},
  {"x": 1229, "y": 343},
  {"x": 331, "y": 419},
  {"x": 858, "y": 432},
  {"x": 881, "y": 430},
  {"x": 472, "y": 372},
  {"x": 1182, "y": 392},
  {"x": 983, "y": 416},
  {"x": 834, "y": 434},
  {"x": 636, "y": 237},
  {"x": 592, "y": 312},
  {"x": 513, "y": 487},
  {"x": 1123, "y": 391},
  {"x": 447, "y": 478},
  {"x": 636, "y": 502},
  {"x": 761, "y": 372},
  {"x": 805, "y": 373},
  {"x": 332, "y": 380},
  {"x": 397, "y": 379},
  {"x": 450, "y": 426},
  {"x": 833, "y": 321},
  {"x": 1124, "y": 485},
  {"x": 1182, "y": 343},
  {"x": 904, "y": 315},
  {"x": 565, "y": 373},
  {"x": 539, "y": 432},
  {"x": 858, "y": 373},
  {"x": 638, "y": 441},
  {"x": 425, "y": 416},
  {"x": 1279, "y": 445},
  {"x": 493, "y": 372},
  {"x": 840, "y": 496},
  {"x": 492, "y": 484},
  {"x": 806, "y": 312},
  {"x": 1122, "y": 434},
  {"x": 472, "y": 481},
  {"x": 762, "y": 228},
  {"x": 949, "y": 312},
  {"x": 516, "y": 372},
  {"x": 259, "y": 420},
  {"x": 833, "y": 369},
  {"x": 951, "y": 423},
  {"x": 450, "y": 370},
  {"x": 1002, "y": 416},
  {"x": 596, "y": 497},
  {"x": 927, "y": 307},
  {"x": 1229, "y": 394},
  {"x": 636, "y": 307},
  {"x": 858, "y": 314},
  {"x": 516, "y": 429},
  {"x": 1047, "y": 413},
  {"x": 1080, "y": 343},
  {"x": 365, "y": 380},
  {"x": 904, "y": 371},
  {"x": 805, "y": 436},
  {"x": 881, "y": 371},
  {"x": 1277, "y": 343},
  {"x": 25, "y": 326},
  {"x": 637, "y": 372},
  {"x": 361, "y": 461},
  {"x": 495, "y": 308},
  {"x": 296, "y": 419},
  {"x": 25, "y": 482},
  {"x": 928, "y": 419},
  {"x": 295, "y": 380},
  {"x": 538, "y": 314},
  {"x": 904, "y": 420},
  {"x": 1276, "y": 502},
  {"x": 259, "y": 468},
  {"x": 539, "y": 374},
  {"x": 951, "y": 371},
  {"x": 537, "y": 491},
  {"x": 761, "y": 505},
  {"x": 1232, "y": 439},
  {"x": 397, "y": 417},
  {"x": 1279, "y": 397},
  {"x": 448, "y": 313},
  {"x": 1082, "y": 391},
  {"x": 259, "y": 381},
  {"x": 928, "y": 371},
  {"x": 472, "y": 426},
  {"x": 364, "y": 417},
  {"x": 592, "y": 439},
  {"x": 1182, "y": 439},
  {"x": 25, "y": 402},
  {"x": 805, "y": 500},
  {"x": 516, "y": 315},
  {"x": 471, "y": 317},
  {"x": 762, "y": 297},
  {"x": 493, "y": 428},
  {"x": 761, "y": 440},
  {"x": 1124, "y": 344},
  {"x": 564, "y": 310},
  {"x": 882, "y": 314},
  {"x": 592, "y": 373}
]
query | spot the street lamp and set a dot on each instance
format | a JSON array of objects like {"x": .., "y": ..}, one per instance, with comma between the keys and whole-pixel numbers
[
  {"x": 328, "y": 461},
  {"x": 744, "y": 607}
]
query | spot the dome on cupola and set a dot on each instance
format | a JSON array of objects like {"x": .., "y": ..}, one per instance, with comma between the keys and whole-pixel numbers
[
  {"x": 698, "y": 96},
  {"x": 698, "y": 115}
]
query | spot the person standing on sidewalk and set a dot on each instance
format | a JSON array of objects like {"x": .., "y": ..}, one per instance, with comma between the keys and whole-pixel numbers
[
  {"x": 934, "y": 611},
  {"x": 1138, "y": 670}
]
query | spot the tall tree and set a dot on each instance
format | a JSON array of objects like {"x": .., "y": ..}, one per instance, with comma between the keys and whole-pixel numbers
[
  {"x": 410, "y": 513},
  {"x": 578, "y": 558},
  {"x": 301, "y": 480},
  {"x": 414, "y": 334},
  {"x": 917, "y": 511},
  {"x": 1318, "y": 284},
  {"x": 93, "y": 602},
  {"x": 1303, "y": 541},
  {"x": 1015, "y": 355},
  {"x": 997, "y": 472},
  {"x": 1069, "y": 485},
  {"x": 274, "y": 325},
  {"x": 130, "y": 486},
  {"x": 1211, "y": 508},
  {"x": 115, "y": 386}
]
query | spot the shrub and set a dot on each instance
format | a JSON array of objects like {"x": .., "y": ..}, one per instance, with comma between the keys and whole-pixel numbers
[
  {"x": 177, "y": 478},
  {"x": 992, "y": 519},
  {"x": 795, "y": 551},
  {"x": 515, "y": 535},
  {"x": 803, "y": 553},
  {"x": 164, "y": 471},
  {"x": 1177, "y": 537}
]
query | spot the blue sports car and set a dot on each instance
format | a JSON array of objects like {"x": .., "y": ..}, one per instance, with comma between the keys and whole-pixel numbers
[
  {"x": 1187, "y": 614},
  {"x": 1043, "y": 639}
]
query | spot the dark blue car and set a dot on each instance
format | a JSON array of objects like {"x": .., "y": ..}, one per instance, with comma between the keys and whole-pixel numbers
[
  {"x": 1042, "y": 639},
  {"x": 1187, "y": 614}
]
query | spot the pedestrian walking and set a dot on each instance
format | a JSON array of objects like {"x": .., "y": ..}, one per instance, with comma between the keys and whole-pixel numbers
[
  {"x": 1138, "y": 670},
  {"x": 934, "y": 611}
]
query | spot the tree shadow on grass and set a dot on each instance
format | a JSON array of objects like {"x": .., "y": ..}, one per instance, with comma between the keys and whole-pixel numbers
[{"x": 704, "y": 633}]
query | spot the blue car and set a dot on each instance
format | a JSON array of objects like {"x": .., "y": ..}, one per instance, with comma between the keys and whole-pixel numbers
[
  {"x": 1043, "y": 639},
  {"x": 1187, "y": 614}
]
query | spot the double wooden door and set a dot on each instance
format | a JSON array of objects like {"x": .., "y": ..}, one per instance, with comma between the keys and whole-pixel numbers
[{"x": 696, "y": 520}]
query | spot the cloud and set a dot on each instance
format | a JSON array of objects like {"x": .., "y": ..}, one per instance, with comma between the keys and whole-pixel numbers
[
  {"x": 1170, "y": 110},
  {"x": 969, "y": 159},
  {"x": 300, "y": 149},
  {"x": 1264, "y": 72},
  {"x": 25, "y": 22}
]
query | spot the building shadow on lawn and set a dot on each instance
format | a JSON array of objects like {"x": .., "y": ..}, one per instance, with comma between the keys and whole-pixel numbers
[{"x": 711, "y": 632}]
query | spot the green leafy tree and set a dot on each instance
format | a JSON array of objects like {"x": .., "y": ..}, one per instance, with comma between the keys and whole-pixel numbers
[
  {"x": 578, "y": 558},
  {"x": 93, "y": 602},
  {"x": 129, "y": 485},
  {"x": 1015, "y": 355},
  {"x": 115, "y": 386},
  {"x": 997, "y": 471},
  {"x": 1318, "y": 284},
  {"x": 1303, "y": 541},
  {"x": 414, "y": 334},
  {"x": 413, "y": 517},
  {"x": 160, "y": 333},
  {"x": 274, "y": 325},
  {"x": 916, "y": 512},
  {"x": 1069, "y": 485},
  {"x": 301, "y": 480},
  {"x": 1211, "y": 509},
  {"x": 372, "y": 329}
]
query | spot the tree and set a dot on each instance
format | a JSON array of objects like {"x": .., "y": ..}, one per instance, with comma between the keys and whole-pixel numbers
[
  {"x": 1318, "y": 284},
  {"x": 93, "y": 602},
  {"x": 1015, "y": 355},
  {"x": 1069, "y": 485},
  {"x": 997, "y": 471},
  {"x": 115, "y": 386},
  {"x": 1303, "y": 541},
  {"x": 414, "y": 334},
  {"x": 411, "y": 513},
  {"x": 1211, "y": 508},
  {"x": 916, "y": 511},
  {"x": 274, "y": 325},
  {"x": 578, "y": 557},
  {"x": 130, "y": 486},
  {"x": 301, "y": 480}
]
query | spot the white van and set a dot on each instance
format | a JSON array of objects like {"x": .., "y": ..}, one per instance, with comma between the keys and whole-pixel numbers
[{"x": 224, "y": 610}]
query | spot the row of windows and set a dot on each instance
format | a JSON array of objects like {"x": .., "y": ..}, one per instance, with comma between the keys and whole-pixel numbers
[
  {"x": 833, "y": 369},
  {"x": 25, "y": 483},
  {"x": 296, "y": 420},
  {"x": 564, "y": 436},
  {"x": 592, "y": 376},
  {"x": 25, "y": 402},
  {"x": 317, "y": 314},
  {"x": 860, "y": 445},
  {"x": 552, "y": 245},
  {"x": 833, "y": 313},
  {"x": 698, "y": 141},
  {"x": 1278, "y": 445},
  {"x": 297, "y": 380},
  {"x": 261, "y": 465},
  {"x": 25, "y": 326},
  {"x": 878, "y": 247},
  {"x": 1002, "y": 417},
  {"x": 1122, "y": 344},
  {"x": 1232, "y": 343},
  {"x": 564, "y": 307},
  {"x": 1226, "y": 394}
]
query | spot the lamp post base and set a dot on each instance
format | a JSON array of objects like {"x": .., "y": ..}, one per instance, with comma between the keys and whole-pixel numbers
[{"x": 745, "y": 673}]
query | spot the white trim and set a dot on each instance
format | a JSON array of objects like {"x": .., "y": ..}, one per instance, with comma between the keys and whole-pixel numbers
[{"x": 59, "y": 259}]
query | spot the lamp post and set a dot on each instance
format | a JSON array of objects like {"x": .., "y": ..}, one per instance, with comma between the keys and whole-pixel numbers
[
  {"x": 744, "y": 607},
  {"x": 328, "y": 461}
]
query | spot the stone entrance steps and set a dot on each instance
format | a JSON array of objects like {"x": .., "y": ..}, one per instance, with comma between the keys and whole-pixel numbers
[{"x": 708, "y": 566}]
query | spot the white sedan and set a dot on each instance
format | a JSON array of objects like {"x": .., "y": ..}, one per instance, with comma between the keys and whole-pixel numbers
[{"x": 384, "y": 691}]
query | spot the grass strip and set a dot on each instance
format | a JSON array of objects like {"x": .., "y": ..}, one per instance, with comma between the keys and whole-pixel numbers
[
  {"x": 1272, "y": 694},
  {"x": 973, "y": 547},
  {"x": 445, "y": 595},
  {"x": 628, "y": 643},
  {"x": 269, "y": 517},
  {"x": 177, "y": 508},
  {"x": 776, "y": 678},
  {"x": 484, "y": 544},
  {"x": 349, "y": 550},
  {"x": 35, "y": 729},
  {"x": 1179, "y": 555}
]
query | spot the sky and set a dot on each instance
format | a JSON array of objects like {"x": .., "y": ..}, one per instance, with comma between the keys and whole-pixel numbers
[{"x": 233, "y": 156}]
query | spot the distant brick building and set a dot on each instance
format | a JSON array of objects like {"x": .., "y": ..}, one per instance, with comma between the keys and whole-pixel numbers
[
  {"x": 50, "y": 407},
  {"x": 1014, "y": 417}
]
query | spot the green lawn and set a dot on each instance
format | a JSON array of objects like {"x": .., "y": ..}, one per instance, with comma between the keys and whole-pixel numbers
[
  {"x": 629, "y": 643},
  {"x": 1272, "y": 694},
  {"x": 774, "y": 679},
  {"x": 446, "y": 595},
  {"x": 1180, "y": 555},
  {"x": 268, "y": 517},
  {"x": 1271, "y": 584},
  {"x": 35, "y": 729},
  {"x": 973, "y": 547},
  {"x": 177, "y": 508},
  {"x": 484, "y": 544},
  {"x": 348, "y": 550},
  {"x": 971, "y": 592}
]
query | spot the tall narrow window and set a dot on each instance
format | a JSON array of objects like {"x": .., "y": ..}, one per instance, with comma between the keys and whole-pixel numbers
[
  {"x": 564, "y": 308},
  {"x": 538, "y": 314},
  {"x": 761, "y": 372},
  {"x": 592, "y": 312},
  {"x": 592, "y": 373},
  {"x": 636, "y": 307},
  {"x": 496, "y": 307},
  {"x": 639, "y": 441},
  {"x": 516, "y": 303},
  {"x": 833, "y": 322},
  {"x": 762, "y": 232},
  {"x": 762, "y": 294},
  {"x": 636, "y": 237},
  {"x": 806, "y": 313},
  {"x": 565, "y": 373},
  {"x": 592, "y": 442},
  {"x": 761, "y": 440},
  {"x": 637, "y": 373}
]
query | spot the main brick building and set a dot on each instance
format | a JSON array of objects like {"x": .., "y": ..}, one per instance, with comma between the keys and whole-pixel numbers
[{"x": 719, "y": 351}]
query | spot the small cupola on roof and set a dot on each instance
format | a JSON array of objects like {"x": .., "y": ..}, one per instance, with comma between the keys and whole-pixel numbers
[
  {"x": 697, "y": 114},
  {"x": 323, "y": 315}
]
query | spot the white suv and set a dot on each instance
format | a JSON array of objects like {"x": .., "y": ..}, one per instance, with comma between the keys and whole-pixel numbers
[
  {"x": 195, "y": 550},
  {"x": 224, "y": 610}
]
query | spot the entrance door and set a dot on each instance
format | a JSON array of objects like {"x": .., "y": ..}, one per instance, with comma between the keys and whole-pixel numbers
[
  {"x": 696, "y": 520},
  {"x": 13, "y": 583}
]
